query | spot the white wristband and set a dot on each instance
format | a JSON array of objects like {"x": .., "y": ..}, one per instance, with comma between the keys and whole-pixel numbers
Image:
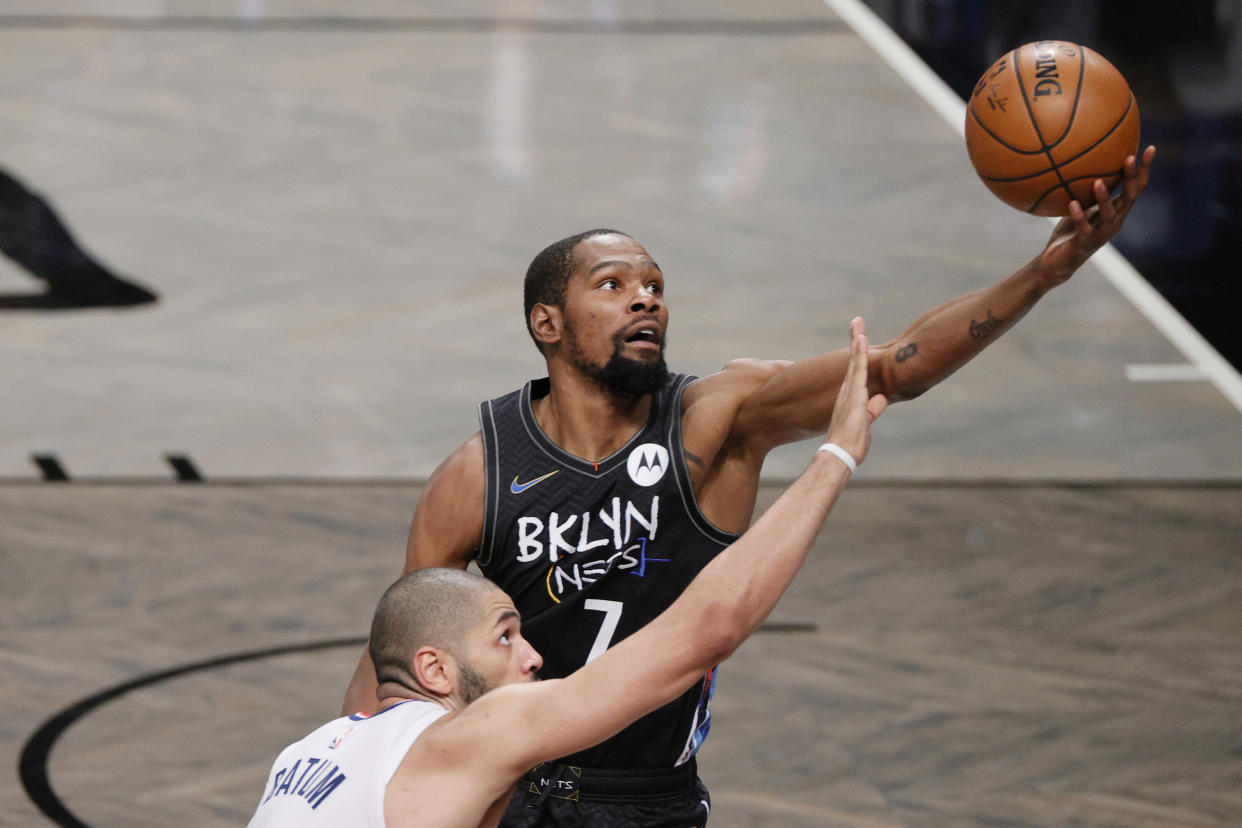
[{"x": 842, "y": 455}]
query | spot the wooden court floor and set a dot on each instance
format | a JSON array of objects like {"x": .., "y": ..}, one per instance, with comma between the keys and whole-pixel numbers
[
  {"x": 335, "y": 210},
  {"x": 951, "y": 655}
]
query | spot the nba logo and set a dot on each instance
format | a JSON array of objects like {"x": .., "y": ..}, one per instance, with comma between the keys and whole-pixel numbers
[{"x": 335, "y": 743}]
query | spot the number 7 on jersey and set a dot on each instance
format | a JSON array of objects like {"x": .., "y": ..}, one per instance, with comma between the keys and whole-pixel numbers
[{"x": 612, "y": 614}]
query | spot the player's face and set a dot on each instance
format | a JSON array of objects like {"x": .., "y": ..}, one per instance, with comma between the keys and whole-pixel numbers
[
  {"x": 615, "y": 316},
  {"x": 497, "y": 654}
]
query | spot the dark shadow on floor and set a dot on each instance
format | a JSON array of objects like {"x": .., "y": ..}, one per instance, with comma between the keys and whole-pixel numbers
[{"x": 33, "y": 236}]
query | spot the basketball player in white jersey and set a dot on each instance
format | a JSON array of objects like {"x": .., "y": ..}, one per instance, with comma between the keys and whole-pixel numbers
[{"x": 460, "y": 715}]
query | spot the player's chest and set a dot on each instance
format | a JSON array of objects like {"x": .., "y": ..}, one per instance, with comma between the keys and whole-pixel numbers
[{"x": 571, "y": 515}]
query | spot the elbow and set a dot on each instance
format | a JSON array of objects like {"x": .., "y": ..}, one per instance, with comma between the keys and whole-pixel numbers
[
  {"x": 722, "y": 630},
  {"x": 894, "y": 380},
  {"x": 906, "y": 393}
]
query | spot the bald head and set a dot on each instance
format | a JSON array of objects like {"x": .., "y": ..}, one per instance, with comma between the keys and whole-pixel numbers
[{"x": 427, "y": 608}]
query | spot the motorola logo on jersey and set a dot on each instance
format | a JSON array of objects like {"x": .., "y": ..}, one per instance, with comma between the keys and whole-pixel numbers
[{"x": 647, "y": 464}]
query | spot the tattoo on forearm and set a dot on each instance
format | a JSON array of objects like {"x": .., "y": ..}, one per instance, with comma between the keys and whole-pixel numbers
[
  {"x": 1034, "y": 295},
  {"x": 907, "y": 351},
  {"x": 693, "y": 458},
  {"x": 981, "y": 330}
]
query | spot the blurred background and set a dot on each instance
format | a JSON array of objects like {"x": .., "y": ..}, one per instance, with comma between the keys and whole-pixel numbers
[
  {"x": 1184, "y": 63},
  {"x": 235, "y": 232},
  {"x": 276, "y": 247}
]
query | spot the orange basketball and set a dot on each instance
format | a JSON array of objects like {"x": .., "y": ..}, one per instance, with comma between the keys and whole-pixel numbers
[{"x": 1045, "y": 121}]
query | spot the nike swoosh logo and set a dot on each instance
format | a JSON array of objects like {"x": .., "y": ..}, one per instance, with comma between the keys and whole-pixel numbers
[{"x": 518, "y": 488}]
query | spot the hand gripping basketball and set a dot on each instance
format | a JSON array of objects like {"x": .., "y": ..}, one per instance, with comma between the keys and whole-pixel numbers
[
  {"x": 1083, "y": 232},
  {"x": 854, "y": 412}
]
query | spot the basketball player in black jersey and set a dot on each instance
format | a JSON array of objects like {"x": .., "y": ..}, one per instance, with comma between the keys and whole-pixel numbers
[{"x": 593, "y": 496}]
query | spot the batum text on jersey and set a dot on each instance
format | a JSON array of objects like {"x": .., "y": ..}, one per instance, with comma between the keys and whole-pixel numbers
[{"x": 313, "y": 782}]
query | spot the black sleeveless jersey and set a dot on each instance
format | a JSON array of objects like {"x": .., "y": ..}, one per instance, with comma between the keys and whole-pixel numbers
[{"x": 590, "y": 552}]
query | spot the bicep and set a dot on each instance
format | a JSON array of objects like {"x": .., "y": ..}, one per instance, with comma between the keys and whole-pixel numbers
[
  {"x": 514, "y": 727},
  {"x": 713, "y": 410},
  {"x": 474, "y": 756},
  {"x": 448, "y": 521},
  {"x": 448, "y": 776},
  {"x": 788, "y": 401},
  {"x": 796, "y": 399}
]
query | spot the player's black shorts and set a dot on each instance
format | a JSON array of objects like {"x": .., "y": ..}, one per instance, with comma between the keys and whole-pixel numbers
[{"x": 562, "y": 796}]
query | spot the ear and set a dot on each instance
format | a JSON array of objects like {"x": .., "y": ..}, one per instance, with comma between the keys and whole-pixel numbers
[
  {"x": 435, "y": 671},
  {"x": 547, "y": 324}
]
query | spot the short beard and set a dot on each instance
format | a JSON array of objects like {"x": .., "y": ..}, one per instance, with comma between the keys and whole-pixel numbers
[
  {"x": 470, "y": 685},
  {"x": 622, "y": 376}
]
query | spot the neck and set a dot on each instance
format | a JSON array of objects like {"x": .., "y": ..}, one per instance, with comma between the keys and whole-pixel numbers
[
  {"x": 390, "y": 696},
  {"x": 586, "y": 420}
]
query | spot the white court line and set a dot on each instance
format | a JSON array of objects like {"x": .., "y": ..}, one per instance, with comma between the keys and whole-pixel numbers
[
  {"x": 1119, "y": 272},
  {"x": 1163, "y": 373}
]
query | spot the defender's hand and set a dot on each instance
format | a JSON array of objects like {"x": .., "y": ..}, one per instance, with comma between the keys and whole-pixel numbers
[{"x": 854, "y": 412}]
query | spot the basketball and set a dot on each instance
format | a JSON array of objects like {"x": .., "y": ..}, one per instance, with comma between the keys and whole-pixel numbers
[{"x": 1045, "y": 121}]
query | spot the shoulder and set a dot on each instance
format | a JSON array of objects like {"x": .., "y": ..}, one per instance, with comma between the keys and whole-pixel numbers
[
  {"x": 448, "y": 521},
  {"x": 462, "y": 466},
  {"x": 734, "y": 382},
  {"x": 456, "y": 766},
  {"x": 461, "y": 475},
  {"x": 508, "y": 719},
  {"x": 507, "y": 403},
  {"x": 711, "y": 408}
]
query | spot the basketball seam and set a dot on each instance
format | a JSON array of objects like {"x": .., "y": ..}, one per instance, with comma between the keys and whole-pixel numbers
[
  {"x": 993, "y": 135},
  {"x": 1082, "y": 70},
  {"x": 1067, "y": 181},
  {"x": 1000, "y": 140},
  {"x": 1072, "y": 159},
  {"x": 1116, "y": 125},
  {"x": 1047, "y": 149}
]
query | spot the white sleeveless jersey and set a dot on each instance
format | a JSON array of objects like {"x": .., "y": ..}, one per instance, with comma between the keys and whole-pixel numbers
[{"x": 337, "y": 774}]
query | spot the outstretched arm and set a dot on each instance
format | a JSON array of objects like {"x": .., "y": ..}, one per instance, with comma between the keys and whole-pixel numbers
[
  {"x": 507, "y": 731},
  {"x": 796, "y": 401},
  {"x": 444, "y": 531}
]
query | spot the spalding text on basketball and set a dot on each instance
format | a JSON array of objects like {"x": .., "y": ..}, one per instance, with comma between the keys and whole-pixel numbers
[{"x": 1047, "y": 78}]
